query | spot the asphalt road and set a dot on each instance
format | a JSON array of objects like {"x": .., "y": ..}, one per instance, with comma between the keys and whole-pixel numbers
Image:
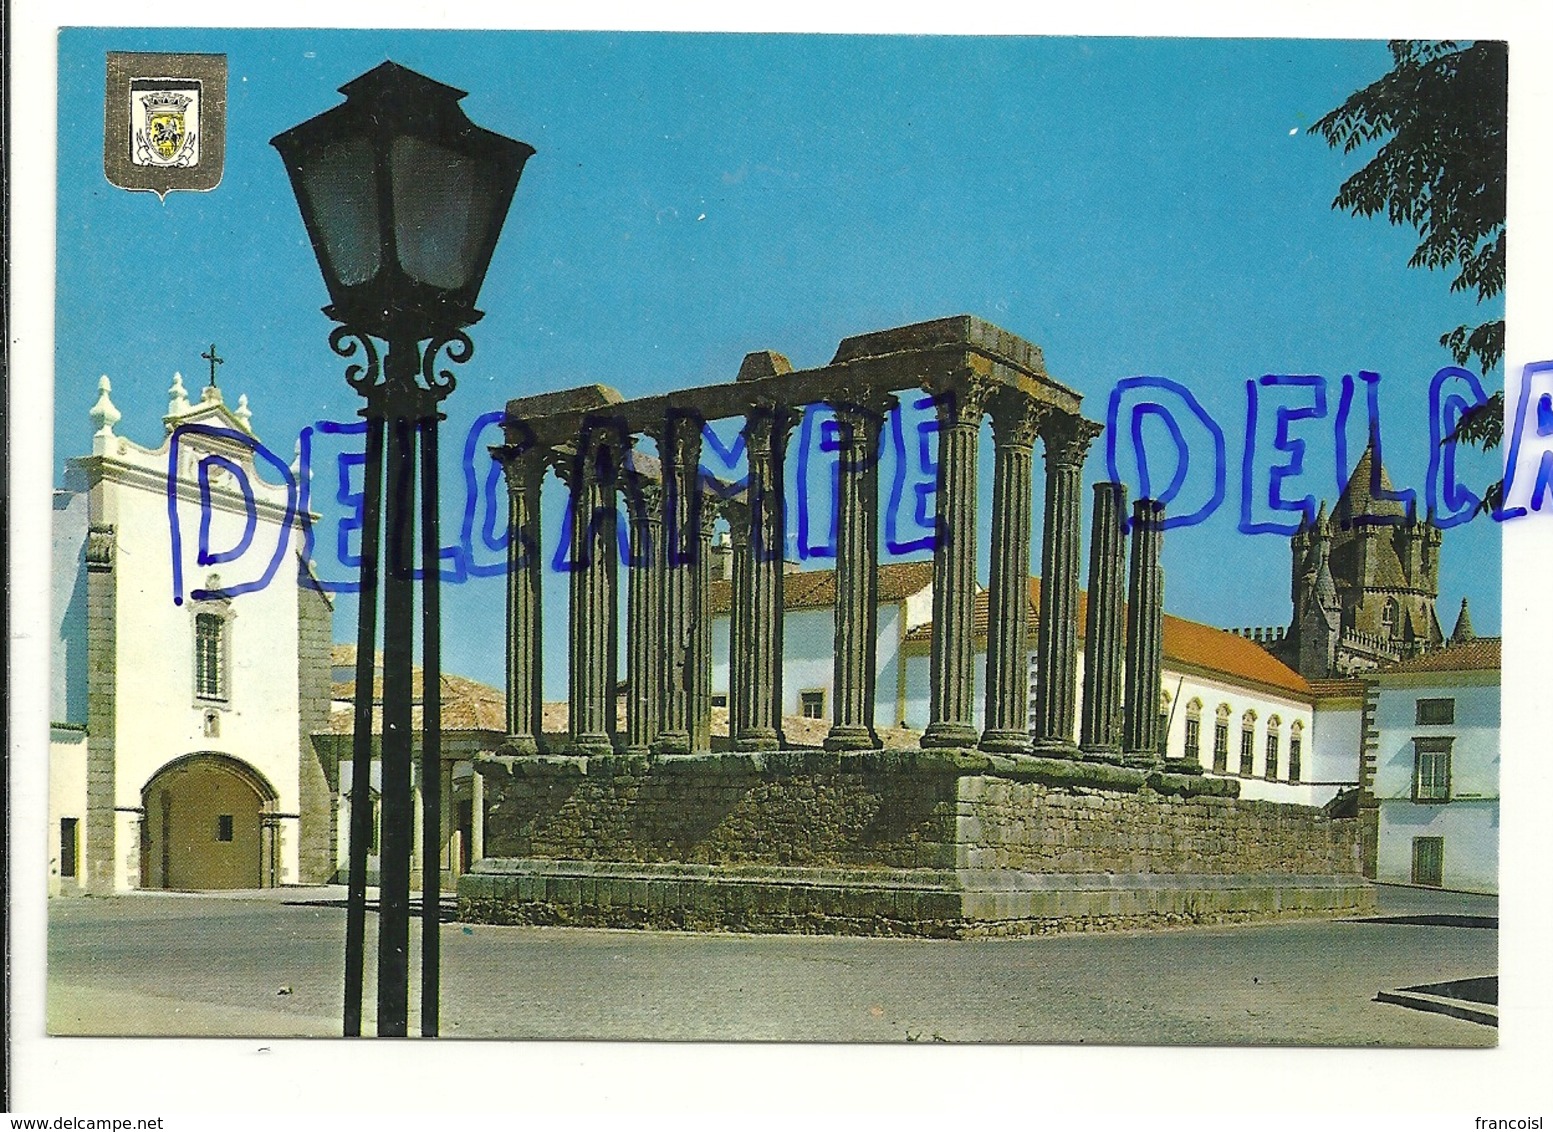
[{"x": 269, "y": 964}]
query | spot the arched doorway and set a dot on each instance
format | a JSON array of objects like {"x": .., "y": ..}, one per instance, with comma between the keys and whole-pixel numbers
[{"x": 207, "y": 826}]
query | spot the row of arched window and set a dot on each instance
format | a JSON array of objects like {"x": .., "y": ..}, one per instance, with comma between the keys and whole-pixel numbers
[{"x": 1270, "y": 759}]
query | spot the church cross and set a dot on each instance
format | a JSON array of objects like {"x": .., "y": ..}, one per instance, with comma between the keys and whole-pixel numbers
[{"x": 215, "y": 360}]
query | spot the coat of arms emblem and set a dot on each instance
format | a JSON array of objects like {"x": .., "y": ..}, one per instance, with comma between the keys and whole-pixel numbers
[
  {"x": 165, "y": 121},
  {"x": 166, "y": 130}
]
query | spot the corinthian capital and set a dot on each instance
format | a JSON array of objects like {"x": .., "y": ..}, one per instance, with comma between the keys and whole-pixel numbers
[
  {"x": 961, "y": 400},
  {"x": 861, "y": 405},
  {"x": 1017, "y": 418},
  {"x": 737, "y": 513},
  {"x": 523, "y": 465},
  {"x": 766, "y": 427},
  {"x": 1067, "y": 438}
]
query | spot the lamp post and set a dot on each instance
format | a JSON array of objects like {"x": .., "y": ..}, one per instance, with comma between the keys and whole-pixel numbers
[{"x": 403, "y": 198}]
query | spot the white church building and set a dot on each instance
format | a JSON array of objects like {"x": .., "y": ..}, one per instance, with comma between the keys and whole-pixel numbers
[
  {"x": 190, "y": 662},
  {"x": 201, "y": 718}
]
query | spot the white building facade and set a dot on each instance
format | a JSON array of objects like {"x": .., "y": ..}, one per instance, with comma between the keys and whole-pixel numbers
[
  {"x": 1226, "y": 702},
  {"x": 190, "y": 663},
  {"x": 1436, "y": 783}
]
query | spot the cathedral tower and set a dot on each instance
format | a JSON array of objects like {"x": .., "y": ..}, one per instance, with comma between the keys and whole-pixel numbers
[{"x": 1372, "y": 565}]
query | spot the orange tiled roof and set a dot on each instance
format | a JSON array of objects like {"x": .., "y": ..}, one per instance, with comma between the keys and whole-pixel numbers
[
  {"x": 1479, "y": 655},
  {"x": 816, "y": 589},
  {"x": 467, "y": 705},
  {"x": 1186, "y": 642},
  {"x": 1191, "y": 642}
]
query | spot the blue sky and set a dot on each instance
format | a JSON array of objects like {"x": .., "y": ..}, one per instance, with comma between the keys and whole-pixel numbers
[{"x": 1135, "y": 207}]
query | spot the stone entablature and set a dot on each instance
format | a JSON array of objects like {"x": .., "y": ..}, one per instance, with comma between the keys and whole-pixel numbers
[{"x": 589, "y": 437}]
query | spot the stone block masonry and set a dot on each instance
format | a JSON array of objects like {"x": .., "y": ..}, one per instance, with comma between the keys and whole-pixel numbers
[
  {"x": 1024, "y": 835},
  {"x": 945, "y": 842},
  {"x": 319, "y": 831}
]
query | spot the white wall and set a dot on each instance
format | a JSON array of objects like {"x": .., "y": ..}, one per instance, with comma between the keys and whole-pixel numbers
[
  {"x": 67, "y": 799},
  {"x": 1469, "y": 821},
  {"x": 1471, "y": 850},
  {"x": 67, "y": 654},
  {"x": 1338, "y": 737},
  {"x": 1180, "y": 686},
  {"x": 808, "y": 656},
  {"x": 808, "y": 660},
  {"x": 808, "y": 653},
  {"x": 158, "y": 717},
  {"x": 917, "y": 704},
  {"x": 887, "y": 698}
]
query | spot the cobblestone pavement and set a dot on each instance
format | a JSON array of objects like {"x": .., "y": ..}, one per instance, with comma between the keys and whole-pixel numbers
[{"x": 269, "y": 964}]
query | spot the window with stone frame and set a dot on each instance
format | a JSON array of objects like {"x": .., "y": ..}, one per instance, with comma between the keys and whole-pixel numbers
[
  {"x": 1247, "y": 744},
  {"x": 1221, "y": 740},
  {"x": 1296, "y": 743},
  {"x": 1194, "y": 731},
  {"x": 1390, "y": 616},
  {"x": 210, "y": 656},
  {"x": 1432, "y": 769},
  {"x": 811, "y": 704},
  {"x": 1270, "y": 770}
]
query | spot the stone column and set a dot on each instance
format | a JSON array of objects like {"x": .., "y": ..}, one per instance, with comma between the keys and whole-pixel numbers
[
  {"x": 759, "y": 727},
  {"x": 679, "y": 447},
  {"x": 525, "y": 473},
  {"x": 740, "y": 695},
  {"x": 644, "y": 640},
  {"x": 951, "y": 671},
  {"x": 1100, "y": 731},
  {"x": 477, "y": 817},
  {"x": 96, "y": 863},
  {"x": 861, "y": 415},
  {"x": 446, "y": 847},
  {"x": 1145, "y": 631},
  {"x": 421, "y": 856},
  {"x": 594, "y": 554},
  {"x": 1067, "y": 439},
  {"x": 1015, "y": 421},
  {"x": 700, "y": 658}
]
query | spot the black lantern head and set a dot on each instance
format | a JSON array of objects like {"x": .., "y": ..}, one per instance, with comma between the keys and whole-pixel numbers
[{"x": 404, "y": 198}]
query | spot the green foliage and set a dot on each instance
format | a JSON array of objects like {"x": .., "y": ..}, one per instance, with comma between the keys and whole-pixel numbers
[
  {"x": 1441, "y": 168},
  {"x": 1482, "y": 426}
]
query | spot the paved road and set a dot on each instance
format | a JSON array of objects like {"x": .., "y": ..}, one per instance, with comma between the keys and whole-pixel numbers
[{"x": 268, "y": 964}]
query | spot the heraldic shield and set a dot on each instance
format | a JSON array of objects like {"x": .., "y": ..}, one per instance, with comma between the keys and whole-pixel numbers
[
  {"x": 165, "y": 121},
  {"x": 166, "y": 138}
]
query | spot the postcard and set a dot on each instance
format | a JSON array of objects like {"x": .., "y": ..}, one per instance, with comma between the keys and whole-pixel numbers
[{"x": 752, "y": 537}]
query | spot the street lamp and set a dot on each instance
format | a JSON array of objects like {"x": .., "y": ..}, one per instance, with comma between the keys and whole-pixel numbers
[{"x": 403, "y": 198}]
